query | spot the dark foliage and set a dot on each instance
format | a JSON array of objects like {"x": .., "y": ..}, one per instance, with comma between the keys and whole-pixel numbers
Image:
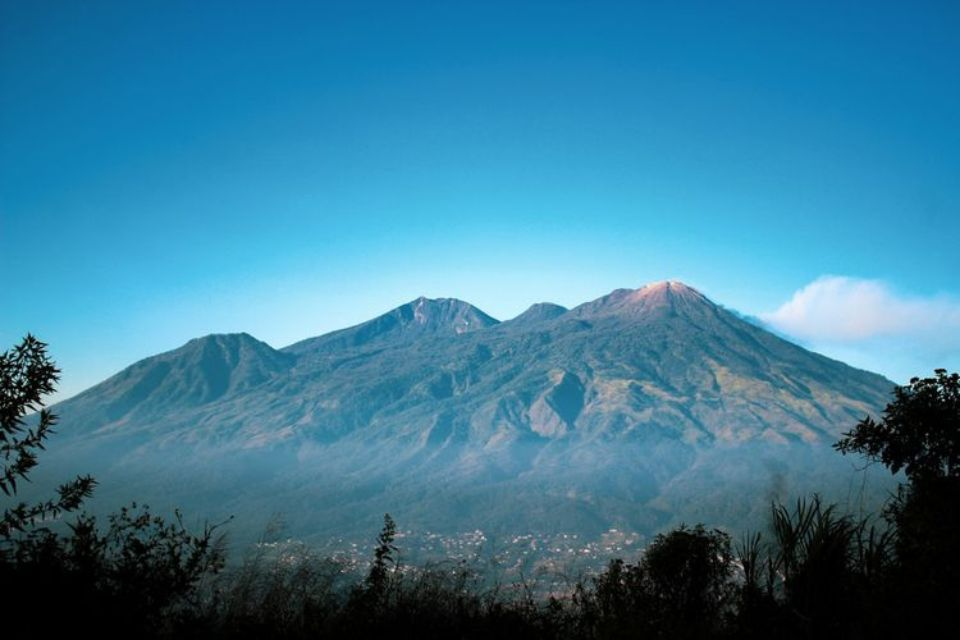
[
  {"x": 135, "y": 578},
  {"x": 27, "y": 375},
  {"x": 680, "y": 588},
  {"x": 383, "y": 558},
  {"x": 139, "y": 574},
  {"x": 919, "y": 432},
  {"x": 823, "y": 569}
]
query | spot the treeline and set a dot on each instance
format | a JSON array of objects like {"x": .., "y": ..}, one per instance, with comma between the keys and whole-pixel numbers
[{"x": 816, "y": 573}]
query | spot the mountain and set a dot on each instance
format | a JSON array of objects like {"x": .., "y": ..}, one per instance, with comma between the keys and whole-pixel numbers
[
  {"x": 412, "y": 321},
  {"x": 638, "y": 409},
  {"x": 538, "y": 313},
  {"x": 198, "y": 374}
]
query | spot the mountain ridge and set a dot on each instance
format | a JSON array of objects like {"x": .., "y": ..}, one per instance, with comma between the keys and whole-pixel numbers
[
  {"x": 643, "y": 387},
  {"x": 417, "y": 318},
  {"x": 666, "y": 304}
]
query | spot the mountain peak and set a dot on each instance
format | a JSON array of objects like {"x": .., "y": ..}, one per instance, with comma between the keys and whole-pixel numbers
[
  {"x": 668, "y": 289},
  {"x": 201, "y": 371},
  {"x": 229, "y": 339},
  {"x": 440, "y": 314},
  {"x": 538, "y": 313},
  {"x": 418, "y": 318},
  {"x": 670, "y": 295}
]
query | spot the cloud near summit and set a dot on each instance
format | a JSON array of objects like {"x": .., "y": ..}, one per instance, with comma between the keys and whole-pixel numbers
[
  {"x": 844, "y": 309},
  {"x": 868, "y": 324}
]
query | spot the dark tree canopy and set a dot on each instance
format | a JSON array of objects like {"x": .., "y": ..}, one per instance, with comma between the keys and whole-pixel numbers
[
  {"x": 919, "y": 432},
  {"x": 27, "y": 374},
  {"x": 383, "y": 555},
  {"x": 127, "y": 580},
  {"x": 680, "y": 588}
]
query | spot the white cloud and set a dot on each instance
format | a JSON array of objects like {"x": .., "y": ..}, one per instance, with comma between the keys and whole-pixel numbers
[
  {"x": 837, "y": 308},
  {"x": 867, "y": 324}
]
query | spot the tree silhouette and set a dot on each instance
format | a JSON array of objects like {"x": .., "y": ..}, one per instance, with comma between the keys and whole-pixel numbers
[
  {"x": 680, "y": 588},
  {"x": 129, "y": 578},
  {"x": 383, "y": 556},
  {"x": 27, "y": 375},
  {"x": 920, "y": 434}
]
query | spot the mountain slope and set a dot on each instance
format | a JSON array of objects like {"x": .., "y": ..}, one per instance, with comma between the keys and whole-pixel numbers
[
  {"x": 200, "y": 373},
  {"x": 622, "y": 410}
]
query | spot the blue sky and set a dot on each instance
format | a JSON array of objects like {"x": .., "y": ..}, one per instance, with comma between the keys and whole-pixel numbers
[{"x": 170, "y": 169}]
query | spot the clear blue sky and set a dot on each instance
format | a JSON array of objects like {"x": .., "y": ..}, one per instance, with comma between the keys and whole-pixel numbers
[{"x": 173, "y": 169}]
